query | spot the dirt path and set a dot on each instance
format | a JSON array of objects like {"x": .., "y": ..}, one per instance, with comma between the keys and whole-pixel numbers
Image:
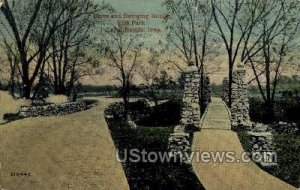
[
  {"x": 216, "y": 136},
  {"x": 67, "y": 152}
]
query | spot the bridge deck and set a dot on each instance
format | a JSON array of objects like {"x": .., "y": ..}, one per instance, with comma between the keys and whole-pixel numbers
[
  {"x": 214, "y": 137},
  {"x": 217, "y": 116}
]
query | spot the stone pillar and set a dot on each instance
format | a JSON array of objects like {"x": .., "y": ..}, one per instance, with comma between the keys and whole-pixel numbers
[
  {"x": 190, "y": 115},
  {"x": 240, "y": 102},
  {"x": 179, "y": 144}
]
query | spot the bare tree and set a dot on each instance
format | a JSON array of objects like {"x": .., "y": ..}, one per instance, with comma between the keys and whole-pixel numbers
[
  {"x": 13, "y": 60},
  {"x": 32, "y": 24},
  {"x": 236, "y": 21},
  {"x": 150, "y": 73},
  {"x": 68, "y": 60},
  {"x": 123, "y": 52},
  {"x": 189, "y": 25},
  {"x": 276, "y": 44}
]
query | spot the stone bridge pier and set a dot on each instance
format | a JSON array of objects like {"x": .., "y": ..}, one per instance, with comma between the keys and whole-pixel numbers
[
  {"x": 240, "y": 118},
  {"x": 191, "y": 111}
]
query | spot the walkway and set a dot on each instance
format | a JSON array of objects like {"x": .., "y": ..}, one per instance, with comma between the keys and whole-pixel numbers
[
  {"x": 66, "y": 152},
  {"x": 216, "y": 136}
]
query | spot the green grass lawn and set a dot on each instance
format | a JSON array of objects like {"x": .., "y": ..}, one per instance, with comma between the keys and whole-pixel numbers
[
  {"x": 158, "y": 175},
  {"x": 288, "y": 153},
  {"x": 287, "y": 148}
]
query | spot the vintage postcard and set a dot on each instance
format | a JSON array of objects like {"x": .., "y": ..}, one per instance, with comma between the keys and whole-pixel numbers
[{"x": 149, "y": 95}]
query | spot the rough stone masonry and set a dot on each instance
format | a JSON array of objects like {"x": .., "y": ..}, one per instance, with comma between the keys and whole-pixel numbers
[
  {"x": 191, "y": 106},
  {"x": 240, "y": 102},
  {"x": 179, "y": 143},
  {"x": 240, "y": 118}
]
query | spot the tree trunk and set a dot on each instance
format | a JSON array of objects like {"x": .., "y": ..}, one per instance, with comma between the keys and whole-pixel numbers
[
  {"x": 126, "y": 104},
  {"x": 270, "y": 114},
  {"x": 202, "y": 103},
  {"x": 60, "y": 89},
  {"x": 25, "y": 77},
  {"x": 230, "y": 79},
  {"x": 268, "y": 82},
  {"x": 154, "y": 97},
  {"x": 26, "y": 90},
  {"x": 12, "y": 82}
]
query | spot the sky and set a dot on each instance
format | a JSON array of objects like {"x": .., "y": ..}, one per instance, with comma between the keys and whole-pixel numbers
[
  {"x": 138, "y": 6},
  {"x": 143, "y": 7}
]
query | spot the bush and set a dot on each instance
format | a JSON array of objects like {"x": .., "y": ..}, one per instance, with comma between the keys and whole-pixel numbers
[
  {"x": 216, "y": 90},
  {"x": 259, "y": 111},
  {"x": 137, "y": 110},
  {"x": 116, "y": 111},
  {"x": 165, "y": 114},
  {"x": 285, "y": 109}
]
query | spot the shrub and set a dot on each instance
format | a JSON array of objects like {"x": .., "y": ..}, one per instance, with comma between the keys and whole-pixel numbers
[
  {"x": 285, "y": 109},
  {"x": 258, "y": 110},
  {"x": 137, "y": 110},
  {"x": 165, "y": 114}
]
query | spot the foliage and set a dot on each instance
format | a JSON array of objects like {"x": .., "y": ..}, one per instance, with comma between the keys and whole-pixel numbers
[
  {"x": 137, "y": 110},
  {"x": 285, "y": 109},
  {"x": 165, "y": 114},
  {"x": 12, "y": 116}
]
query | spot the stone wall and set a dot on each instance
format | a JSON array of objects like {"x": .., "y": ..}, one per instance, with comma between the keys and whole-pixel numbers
[{"x": 52, "y": 109}]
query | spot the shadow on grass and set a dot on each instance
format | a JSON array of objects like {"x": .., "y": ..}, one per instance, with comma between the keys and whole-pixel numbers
[{"x": 157, "y": 175}]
